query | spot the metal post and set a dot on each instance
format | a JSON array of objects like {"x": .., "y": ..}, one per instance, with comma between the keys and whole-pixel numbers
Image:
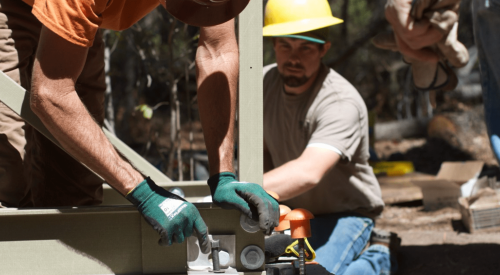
[{"x": 250, "y": 97}]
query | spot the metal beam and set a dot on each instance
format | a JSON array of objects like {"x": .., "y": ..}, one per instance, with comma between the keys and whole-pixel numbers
[
  {"x": 103, "y": 240},
  {"x": 250, "y": 97},
  {"x": 194, "y": 191}
]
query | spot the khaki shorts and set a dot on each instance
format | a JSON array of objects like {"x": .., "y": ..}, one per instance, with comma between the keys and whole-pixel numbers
[{"x": 34, "y": 171}]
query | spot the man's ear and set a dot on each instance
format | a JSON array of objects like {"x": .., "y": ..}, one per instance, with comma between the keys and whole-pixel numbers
[{"x": 325, "y": 48}]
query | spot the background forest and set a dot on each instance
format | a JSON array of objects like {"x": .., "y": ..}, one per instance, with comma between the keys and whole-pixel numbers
[{"x": 151, "y": 99}]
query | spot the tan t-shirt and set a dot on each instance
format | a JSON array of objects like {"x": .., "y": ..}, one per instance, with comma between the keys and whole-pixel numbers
[
  {"x": 77, "y": 21},
  {"x": 331, "y": 114}
]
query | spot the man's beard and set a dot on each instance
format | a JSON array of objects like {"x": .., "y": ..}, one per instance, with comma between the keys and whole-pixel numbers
[{"x": 293, "y": 81}]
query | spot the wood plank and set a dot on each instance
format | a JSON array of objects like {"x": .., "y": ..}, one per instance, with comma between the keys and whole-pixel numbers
[{"x": 400, "y": 129}]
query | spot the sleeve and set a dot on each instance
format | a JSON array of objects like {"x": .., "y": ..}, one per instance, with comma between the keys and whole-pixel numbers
[
  {"x": 338, "y": 126},
  {"x": 267, "y": 68},
  {"x": 77, "y": 21}
]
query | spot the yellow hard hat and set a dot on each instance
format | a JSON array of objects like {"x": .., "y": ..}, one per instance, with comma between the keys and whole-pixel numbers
[{"x": 284, "y": 17}]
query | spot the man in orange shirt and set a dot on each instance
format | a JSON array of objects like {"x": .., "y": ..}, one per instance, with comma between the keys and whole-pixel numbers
[{"x": 54, "y": 49}]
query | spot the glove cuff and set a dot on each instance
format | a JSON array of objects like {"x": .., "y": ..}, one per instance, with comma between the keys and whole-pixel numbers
[
  {"x": 214, "y": 180},
  {"x": 141, "y": 192}
]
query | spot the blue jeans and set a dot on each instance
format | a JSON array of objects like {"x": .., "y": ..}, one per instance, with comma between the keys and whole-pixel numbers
[
  {"x": 486, "y": 18},
  {"x": 339, "y": 240}
]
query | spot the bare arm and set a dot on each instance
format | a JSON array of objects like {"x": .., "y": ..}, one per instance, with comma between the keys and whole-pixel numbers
[
  {"x": 302, "y": 174},
  {"x": 217, "y": 75},
  {"x": 57, "y": 66}
]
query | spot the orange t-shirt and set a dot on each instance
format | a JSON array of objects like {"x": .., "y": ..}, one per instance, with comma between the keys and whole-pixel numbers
[{"x": 78, "y": 20}]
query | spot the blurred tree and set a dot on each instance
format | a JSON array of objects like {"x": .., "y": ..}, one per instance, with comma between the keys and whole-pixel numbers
[{"x": 152, "y": 66}]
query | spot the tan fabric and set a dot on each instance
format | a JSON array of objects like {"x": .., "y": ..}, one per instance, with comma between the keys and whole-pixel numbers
[
  {"x": 331, "y": 113},
  {"x": 78, "y": 20},
  {"x": 48, "y": 176}
]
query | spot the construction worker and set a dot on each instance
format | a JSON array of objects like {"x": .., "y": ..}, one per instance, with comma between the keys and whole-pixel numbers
[
  {"x": 316, "y": 141},
  {"x": 55, "y": 50}
]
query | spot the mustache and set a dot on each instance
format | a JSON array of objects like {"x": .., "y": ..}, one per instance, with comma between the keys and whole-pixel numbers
[{"x": 293, "y": 66}]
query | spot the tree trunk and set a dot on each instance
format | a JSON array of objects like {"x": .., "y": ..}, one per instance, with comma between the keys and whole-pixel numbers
[
  {"x": 109, "y": 121},
  {"x": 345, "y": 16},
  {"x": 465, "y": 131},
  {"x": 400, "y": 129}
]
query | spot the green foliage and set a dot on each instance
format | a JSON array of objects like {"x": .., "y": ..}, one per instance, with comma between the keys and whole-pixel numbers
[{"x": 147, "y": 112}]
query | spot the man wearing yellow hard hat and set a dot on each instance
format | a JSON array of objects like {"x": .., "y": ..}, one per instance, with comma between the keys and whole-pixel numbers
[
  {"x": 316, "y": 141},
  {"x": 54, "y": 49}
]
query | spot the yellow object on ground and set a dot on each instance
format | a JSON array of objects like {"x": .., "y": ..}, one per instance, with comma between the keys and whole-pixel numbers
[
  {"x": 392, "y": 168},
  {"x": 283, "y": 17},
  {"x": 310, "y": 254}
]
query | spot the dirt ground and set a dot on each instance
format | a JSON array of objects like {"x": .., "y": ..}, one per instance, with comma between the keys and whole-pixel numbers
[
  {"x": 433, "y": 242},
  {"x": 437, "y": 242}
]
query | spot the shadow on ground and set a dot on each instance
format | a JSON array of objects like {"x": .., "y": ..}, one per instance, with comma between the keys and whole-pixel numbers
[
  {"x": 472, "y": 259},
  {"x": 429, "y": 157}
]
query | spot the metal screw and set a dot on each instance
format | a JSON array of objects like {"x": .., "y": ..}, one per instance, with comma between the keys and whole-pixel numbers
[
  {"x": 215, "y": 256},
  {"x": 302, "y": 267}
]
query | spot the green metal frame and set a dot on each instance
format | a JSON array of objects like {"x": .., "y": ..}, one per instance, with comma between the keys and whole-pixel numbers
[
  {"x": 250, "y": 96},
  {"x": 102, "y": 240}
]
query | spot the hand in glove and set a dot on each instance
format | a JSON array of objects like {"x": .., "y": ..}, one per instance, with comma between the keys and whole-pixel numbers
[
  {"x": 173, "y": 217},
  {"x": 228, "y": 193}
]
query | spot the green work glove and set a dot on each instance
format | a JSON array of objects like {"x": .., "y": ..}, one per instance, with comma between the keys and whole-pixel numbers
[
  {"x": 173, "y": 217},
  {"x": 228, "y": 193}
]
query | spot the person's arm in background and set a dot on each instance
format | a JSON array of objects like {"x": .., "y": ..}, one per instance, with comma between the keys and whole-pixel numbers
[
  {"x": 302, "y": 174},
  {"x": 54, "y": 100},
  {"x": 217, "y": 66},
  {"x": 426, "y": 30},
  {"x": 412, "y": 36}
]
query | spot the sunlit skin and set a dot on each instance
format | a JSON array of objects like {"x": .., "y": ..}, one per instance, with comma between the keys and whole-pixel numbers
[{"x": 298, "y": 62}]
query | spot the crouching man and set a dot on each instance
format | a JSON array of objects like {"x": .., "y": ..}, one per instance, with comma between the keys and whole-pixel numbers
[{"x": 316, "y": 141}]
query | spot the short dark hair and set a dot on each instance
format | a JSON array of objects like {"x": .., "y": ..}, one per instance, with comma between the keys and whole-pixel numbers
[
  {"x": 320, "y": 46},
  {"x": 319, "y": 33}
]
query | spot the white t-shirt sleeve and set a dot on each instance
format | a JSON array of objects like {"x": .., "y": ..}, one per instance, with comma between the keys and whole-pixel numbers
[{"x": 326, "y": 146}]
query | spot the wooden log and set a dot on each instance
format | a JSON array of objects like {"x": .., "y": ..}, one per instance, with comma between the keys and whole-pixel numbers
[
  {"x": 400, "y": 129},
  {"x": 464, "y": 130}
]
